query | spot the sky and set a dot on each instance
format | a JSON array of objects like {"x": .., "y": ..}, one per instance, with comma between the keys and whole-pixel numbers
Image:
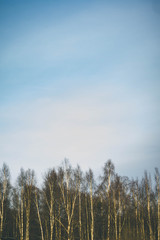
[{"x": 80, "y": 80}]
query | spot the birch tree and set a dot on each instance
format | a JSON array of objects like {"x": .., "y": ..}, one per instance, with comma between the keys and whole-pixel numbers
[
  {"x": 79, "y": 179},
  {"x": 29, "y": 185},
  {"x": 157, "y": 177},
  {"x": 37, "y": 196},
  {"x": 148, "y": 193},
  {"x": 50, "y": 191},
  {"x": 134, "y": 191},
  {"x": 20, "y": 197},
  {"x": 108, "y": 173},
  {"x": 68, "y": 183},
  {"x": 90, "y": 182},
  {"x": 4, "y": 179}
]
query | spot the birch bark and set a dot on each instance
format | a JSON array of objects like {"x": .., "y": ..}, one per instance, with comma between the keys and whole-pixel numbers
[
  {"x": 39, "y": 216},
  {"x": 2, "y": 199},
  {"x": 147, "y": 186},
  {"x": 158, "y": 192}
]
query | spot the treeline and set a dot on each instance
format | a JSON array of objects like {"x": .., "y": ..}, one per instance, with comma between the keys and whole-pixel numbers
[{"x": 71, "y": 205}]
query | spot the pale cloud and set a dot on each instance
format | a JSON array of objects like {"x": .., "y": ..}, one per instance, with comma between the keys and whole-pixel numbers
[{"x": 87, "y": 128}]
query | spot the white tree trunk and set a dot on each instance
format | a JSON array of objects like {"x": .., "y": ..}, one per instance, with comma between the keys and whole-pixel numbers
[
  {"x": 39, "y": 217},
  {"x": 2, "y": 198}
]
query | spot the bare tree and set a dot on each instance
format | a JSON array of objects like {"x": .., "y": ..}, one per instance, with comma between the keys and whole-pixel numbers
[
  {"x": 108, "y": 173},
  {"x": 148, "y": 193},
  {"x": 90, "y": 181},
  {"x": 50, "y": 194},
  {"x": 71, "y": 206},
  {"x": 20, "y": 198},
  {"x": 38, "y": 211},
  {"x": 157, "y": 177},
  {"x": 29, "y": 177},
  {"x": 134, "y": 191},
  {"x": 79, "y": 179},
  {"x": 4, "y": 178},
  {"x": 68, "y": 183}
]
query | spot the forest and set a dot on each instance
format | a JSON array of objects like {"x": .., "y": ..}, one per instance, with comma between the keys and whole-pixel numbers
[{"x": 71, "y": 204}]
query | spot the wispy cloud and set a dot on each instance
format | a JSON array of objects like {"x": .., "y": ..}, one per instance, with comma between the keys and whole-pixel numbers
[{"x": 87, "y": 128}]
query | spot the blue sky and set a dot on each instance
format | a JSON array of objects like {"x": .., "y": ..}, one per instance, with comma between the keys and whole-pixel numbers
[{"x": 80, "y": 79}]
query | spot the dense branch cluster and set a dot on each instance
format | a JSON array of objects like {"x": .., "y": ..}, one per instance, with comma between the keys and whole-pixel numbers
[{"x": 72, "y": 205}]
